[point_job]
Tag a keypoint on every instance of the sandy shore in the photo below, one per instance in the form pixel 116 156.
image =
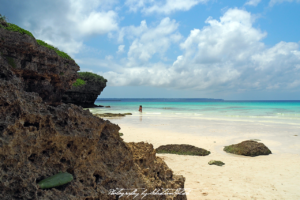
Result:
pixel 276 176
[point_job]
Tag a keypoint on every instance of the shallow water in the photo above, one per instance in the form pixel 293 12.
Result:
pixel 275 111
pixel 276 124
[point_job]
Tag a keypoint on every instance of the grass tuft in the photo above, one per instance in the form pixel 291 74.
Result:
pixel 3 18
pixel 60 53
pixel 79 82
pixel 15 28
pixel 91 77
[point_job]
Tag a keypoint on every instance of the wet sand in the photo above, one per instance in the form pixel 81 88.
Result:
pixel 275 176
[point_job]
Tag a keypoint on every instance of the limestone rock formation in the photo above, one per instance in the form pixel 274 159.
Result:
pixel 182 149
pixel 40 136
pixel 86 95
pixel 248 148
pixel 42 70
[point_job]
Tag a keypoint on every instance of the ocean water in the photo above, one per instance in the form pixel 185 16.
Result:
pixel 264 111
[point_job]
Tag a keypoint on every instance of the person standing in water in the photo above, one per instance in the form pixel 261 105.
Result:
pixel 140 109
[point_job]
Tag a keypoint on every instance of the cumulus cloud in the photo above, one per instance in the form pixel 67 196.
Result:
pixel 227 54
pixel 252 2
pixel 162 6
pixel 65 24
pixel 147 41
pixel 273 2
pixel 121 49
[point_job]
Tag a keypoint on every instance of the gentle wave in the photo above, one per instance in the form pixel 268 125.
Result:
pixel 154 113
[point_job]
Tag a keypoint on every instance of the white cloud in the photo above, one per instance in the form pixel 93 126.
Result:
pixel 162 6
pixel 273 2
pixel 65 24
pixel 147 41
pixel 97 23
pixel 109 57
pixel 228 54
pixel 121 49
pixel 252 2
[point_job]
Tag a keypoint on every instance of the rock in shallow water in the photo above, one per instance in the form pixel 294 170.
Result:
pixel 248 148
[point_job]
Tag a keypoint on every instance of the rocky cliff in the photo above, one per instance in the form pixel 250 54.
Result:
pixel 40 68
pixel 40 136
pixel 85 94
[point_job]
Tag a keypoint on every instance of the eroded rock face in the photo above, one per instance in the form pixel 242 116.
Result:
pixel 248 148
pixel 41 69
pixel 38 140
pixel 84 95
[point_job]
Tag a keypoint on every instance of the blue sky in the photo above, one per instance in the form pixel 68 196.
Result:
pixel 234 50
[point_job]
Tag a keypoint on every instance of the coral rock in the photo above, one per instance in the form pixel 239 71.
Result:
pixel 38 140
pixel 248 148
pixel 182 149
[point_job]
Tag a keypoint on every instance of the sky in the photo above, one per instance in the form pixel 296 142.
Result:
pixel 232 50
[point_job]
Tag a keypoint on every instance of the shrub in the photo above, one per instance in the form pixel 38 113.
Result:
pixel 15 28
pixel 60 53
pixel 79 82
pixel 3 18
pixel 88 76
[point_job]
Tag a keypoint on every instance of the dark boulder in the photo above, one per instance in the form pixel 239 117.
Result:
pixel 248 148
pixel 182 149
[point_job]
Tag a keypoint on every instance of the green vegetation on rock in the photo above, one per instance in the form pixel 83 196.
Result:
pixel 11 61
pixel 12 27
pixel 88 76
pixel 121 134
pixel 15 28
pixel 79 82
pixel 60 53
pixel 2 18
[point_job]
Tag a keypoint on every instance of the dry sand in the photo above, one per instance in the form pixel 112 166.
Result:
pixel 276 176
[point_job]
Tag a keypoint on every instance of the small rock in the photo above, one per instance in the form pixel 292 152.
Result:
pixel 216 162
pixel 107 106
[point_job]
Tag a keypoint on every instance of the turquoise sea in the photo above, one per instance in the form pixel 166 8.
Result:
pixel 272 111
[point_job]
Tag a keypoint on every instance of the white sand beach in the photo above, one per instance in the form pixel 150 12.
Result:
pixel 275 176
